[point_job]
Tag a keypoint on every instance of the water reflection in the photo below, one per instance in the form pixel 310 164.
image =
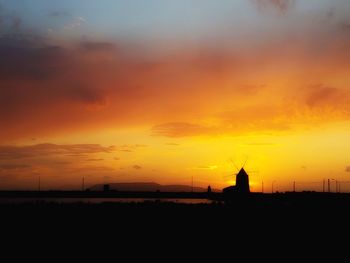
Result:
pixel 102 200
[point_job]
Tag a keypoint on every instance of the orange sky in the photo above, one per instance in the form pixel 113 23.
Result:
pixel 274 94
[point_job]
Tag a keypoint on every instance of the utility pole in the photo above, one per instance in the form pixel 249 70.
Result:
pixel 324 184
pixel 83 184
pixel 294 186
pixel 329 186
pixel 39 185
pixel 262 186
pixel 336 186
pixel 192 185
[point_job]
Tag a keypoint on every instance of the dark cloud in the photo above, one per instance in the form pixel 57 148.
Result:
pixel 51 74
pixel 43 150
pixel 137 167
pixel 14 166
pixel 47 62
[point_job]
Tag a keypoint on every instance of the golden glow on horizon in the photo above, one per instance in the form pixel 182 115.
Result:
pixel 303 156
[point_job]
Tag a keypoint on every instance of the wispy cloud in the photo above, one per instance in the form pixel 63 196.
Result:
pixel 47 149
pixel 321 95
pixel 206 167
pixel 181 129
pixel 130 147
pixel 75 22
pixel 137 167
pixel 14 166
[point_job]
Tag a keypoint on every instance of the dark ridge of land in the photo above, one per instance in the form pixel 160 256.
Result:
pixel 252 201
pixel 107 194
pixel 308 207
pixel 241 220
pixel 286 197
pixel 148 187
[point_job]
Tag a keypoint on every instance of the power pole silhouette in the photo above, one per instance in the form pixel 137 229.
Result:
pixel 336 185
pixel 329 186
pixel 192 185
pixel 39 184
pixel 83 184
pixel 262 186
pixel 294 186
pixel 324 184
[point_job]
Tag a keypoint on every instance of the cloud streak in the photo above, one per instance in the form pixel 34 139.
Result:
pixel 137 167
pixel 14 166
pixel 48 149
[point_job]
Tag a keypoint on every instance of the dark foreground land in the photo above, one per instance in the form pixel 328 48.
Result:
pixel 247 209
pixel 290 222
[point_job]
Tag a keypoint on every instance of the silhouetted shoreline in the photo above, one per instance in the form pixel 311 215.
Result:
pixel 282 199
pixel 105 194
pixel 245 215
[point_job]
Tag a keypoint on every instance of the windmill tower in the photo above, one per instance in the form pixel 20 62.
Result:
pixel 242 182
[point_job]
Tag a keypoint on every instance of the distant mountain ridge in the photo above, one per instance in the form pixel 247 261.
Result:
pixel 148 187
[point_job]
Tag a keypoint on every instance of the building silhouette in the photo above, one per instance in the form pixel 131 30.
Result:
pixel 242 184
pixel 106 188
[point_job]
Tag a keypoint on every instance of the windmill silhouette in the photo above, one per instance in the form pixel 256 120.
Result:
pixel 242 182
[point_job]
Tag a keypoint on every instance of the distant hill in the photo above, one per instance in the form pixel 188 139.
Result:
pixel 148 187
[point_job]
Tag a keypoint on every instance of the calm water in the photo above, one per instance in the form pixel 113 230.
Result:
pixel 102 200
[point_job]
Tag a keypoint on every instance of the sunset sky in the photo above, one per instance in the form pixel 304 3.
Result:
pixel 164 90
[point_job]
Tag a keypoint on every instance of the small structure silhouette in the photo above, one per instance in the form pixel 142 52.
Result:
pixel 242 184
pixel 106 188
pixel 209 189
